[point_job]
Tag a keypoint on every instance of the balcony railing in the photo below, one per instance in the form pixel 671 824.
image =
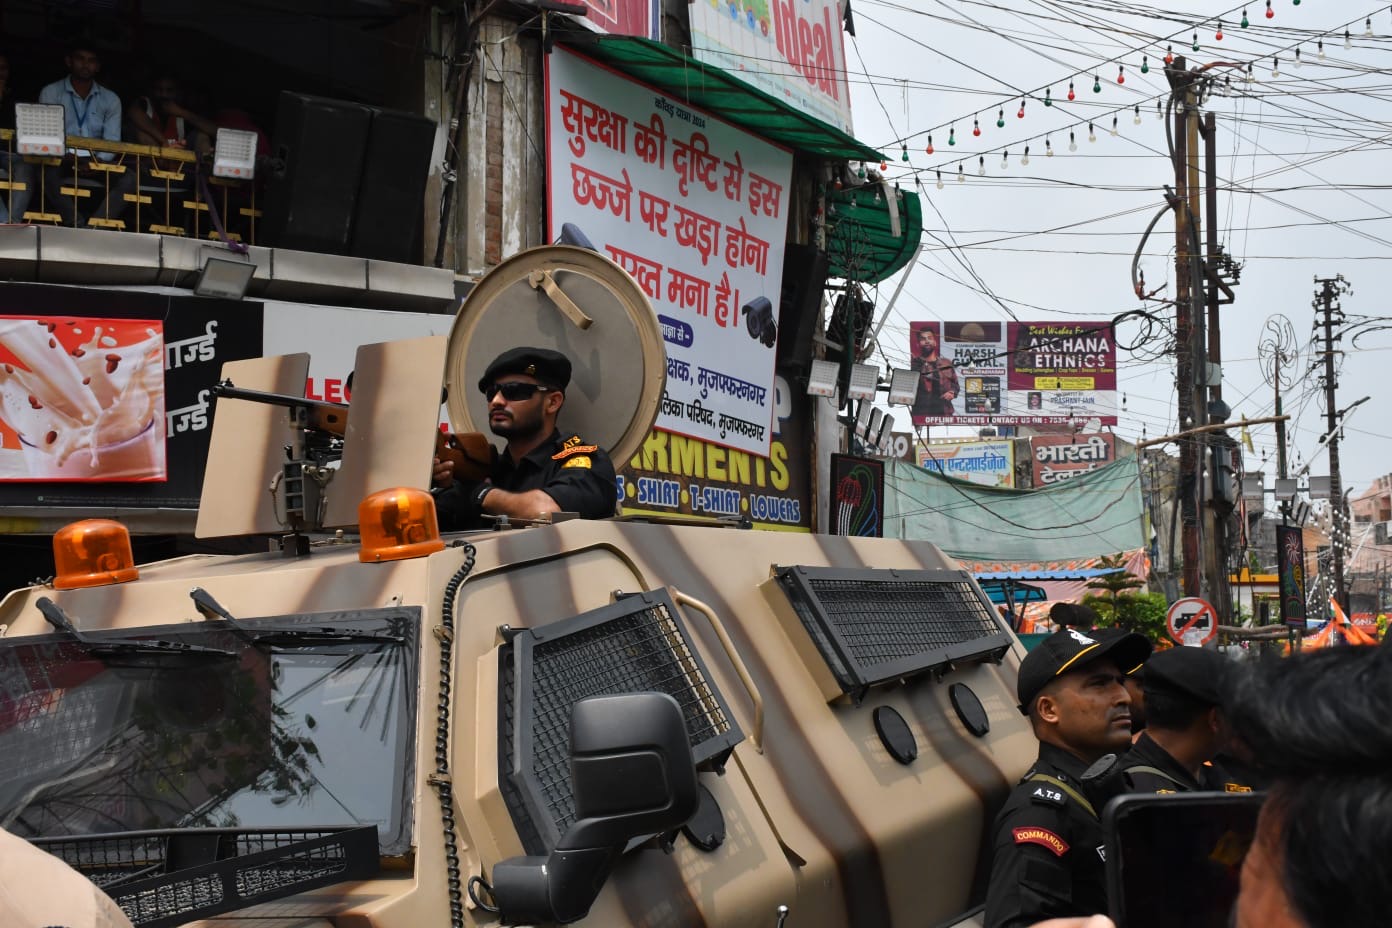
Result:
pixel 140 188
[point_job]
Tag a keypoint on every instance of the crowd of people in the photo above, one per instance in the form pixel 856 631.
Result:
pixel 1309 729
pixel 163 117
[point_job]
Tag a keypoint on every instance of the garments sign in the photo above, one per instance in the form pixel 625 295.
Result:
pixel 697 212
pixel 789 49
pixel 989 463
pixel 1017 373
pixel 1062 457
pixel 1191 621
pixel 673 475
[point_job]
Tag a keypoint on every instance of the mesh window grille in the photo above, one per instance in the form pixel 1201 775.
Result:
pixel 872 626
pixel 635 645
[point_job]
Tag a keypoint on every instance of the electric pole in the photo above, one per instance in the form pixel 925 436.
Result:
pixel 1327 309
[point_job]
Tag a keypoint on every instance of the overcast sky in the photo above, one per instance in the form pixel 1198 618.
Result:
pixel 1306 153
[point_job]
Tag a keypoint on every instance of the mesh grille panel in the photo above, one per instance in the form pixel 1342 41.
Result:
pixel 636 645
pixel 872 626
pixel 890 621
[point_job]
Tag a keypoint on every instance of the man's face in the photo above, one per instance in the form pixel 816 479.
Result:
pixel 520 418
pixel 1262 901
pixel 165 89
pixel 927 343
pixel 1089 709
pixel 83 65
pixel 1137 694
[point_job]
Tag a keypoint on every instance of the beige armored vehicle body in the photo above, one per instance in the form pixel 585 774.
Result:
pixel 612 722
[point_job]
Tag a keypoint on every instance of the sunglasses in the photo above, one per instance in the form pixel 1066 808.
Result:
pixel 514 390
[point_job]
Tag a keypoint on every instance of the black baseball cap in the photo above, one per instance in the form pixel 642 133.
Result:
pixel 1198 673
pixel 1071 649
pixel 549 367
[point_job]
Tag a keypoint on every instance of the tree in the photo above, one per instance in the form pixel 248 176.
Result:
pixel 1117 583
pixel 1119 604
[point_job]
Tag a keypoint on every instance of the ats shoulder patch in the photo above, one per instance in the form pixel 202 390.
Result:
pixel 582 460
pixel 1047 795
pixel 1043 837
pixel 573 446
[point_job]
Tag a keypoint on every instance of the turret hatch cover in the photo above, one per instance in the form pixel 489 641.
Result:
pixel 583 305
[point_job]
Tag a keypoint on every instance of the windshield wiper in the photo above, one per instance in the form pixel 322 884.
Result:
pixel 305 637
pixel 125 647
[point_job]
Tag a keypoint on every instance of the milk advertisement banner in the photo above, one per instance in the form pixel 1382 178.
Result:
pixel 989 463
pixel 1062 457
pixel 789 49
pixel 1017 373
pixel 81 399
pixel 696 211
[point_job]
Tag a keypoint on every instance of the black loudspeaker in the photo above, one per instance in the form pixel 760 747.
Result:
pixel 312 191
pixel 391 197
pixel 799 303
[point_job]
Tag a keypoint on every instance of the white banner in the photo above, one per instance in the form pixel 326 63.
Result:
pixel 696 211
pixel 789 49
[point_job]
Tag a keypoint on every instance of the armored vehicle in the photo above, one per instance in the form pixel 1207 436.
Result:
pixel 610 722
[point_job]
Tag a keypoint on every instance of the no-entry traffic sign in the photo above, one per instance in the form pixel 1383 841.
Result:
pixel 1191 621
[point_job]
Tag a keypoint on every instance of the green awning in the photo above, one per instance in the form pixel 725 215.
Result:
pixel 720 92
pixel 861 241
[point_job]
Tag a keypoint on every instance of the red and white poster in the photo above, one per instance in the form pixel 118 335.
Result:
pixel 697 211
pixel 1062 457
pixel 1016 373
pixel 622 17
pixel 81 399
pixel 789 49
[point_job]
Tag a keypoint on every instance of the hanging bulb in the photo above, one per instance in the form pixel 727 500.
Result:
pixel 1368 28
pixel 1275 65
pixel 1297 56
pixel 928 149
pixel 877 193
pixel 1114 125
pixel 860 172
pixel 1071 96
pixel 1096 84
pixel 1048 147
pixel 976 126
pixel 1024 159
pixel 1121 74
pixel 1227 85
pixel 1123 402
pixel 961 178
pixel 1270 13
pixel 1145 65
pixel 939 184
pixel 1251 74
pixel 981 164
pixel 1021 113
pixel 1092 133
pixel 1245 24
pixel 1005 159
pixel 952 136
pixel 1195 40
pixel 1000 119
pixel 1218 36
pixel 1137 119
pixel 884 166
pixel 1319 50
pixel 1169 54
pixel 905 155
pixel 1348 40
pixel 1072 142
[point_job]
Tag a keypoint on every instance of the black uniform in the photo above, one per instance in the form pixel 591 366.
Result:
pixel 578 476
pixel 1048 847
pixel 1149 768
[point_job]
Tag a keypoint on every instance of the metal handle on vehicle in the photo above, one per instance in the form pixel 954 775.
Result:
pixel 757 735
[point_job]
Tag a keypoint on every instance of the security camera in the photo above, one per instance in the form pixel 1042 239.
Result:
pixel 758 319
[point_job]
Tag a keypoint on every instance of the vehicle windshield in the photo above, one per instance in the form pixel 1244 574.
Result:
pixel 298 734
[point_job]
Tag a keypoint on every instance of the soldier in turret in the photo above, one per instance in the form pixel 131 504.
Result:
pixel 541 470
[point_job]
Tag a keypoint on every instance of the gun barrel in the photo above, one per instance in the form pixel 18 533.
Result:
pixel 319 414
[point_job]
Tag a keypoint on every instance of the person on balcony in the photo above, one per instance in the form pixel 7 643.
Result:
pixel 92 112
pixel 164 120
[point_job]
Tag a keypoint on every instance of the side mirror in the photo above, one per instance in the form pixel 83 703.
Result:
pixel 632 776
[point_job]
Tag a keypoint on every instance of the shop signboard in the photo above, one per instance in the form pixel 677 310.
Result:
pixel 989 463
pixel 1062 457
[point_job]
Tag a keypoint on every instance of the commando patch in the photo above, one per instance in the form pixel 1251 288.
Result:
pixel 573 445
pixel 1236 788
pixel 1042 837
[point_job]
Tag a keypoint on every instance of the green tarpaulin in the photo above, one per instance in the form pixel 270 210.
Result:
pixel 1091 515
